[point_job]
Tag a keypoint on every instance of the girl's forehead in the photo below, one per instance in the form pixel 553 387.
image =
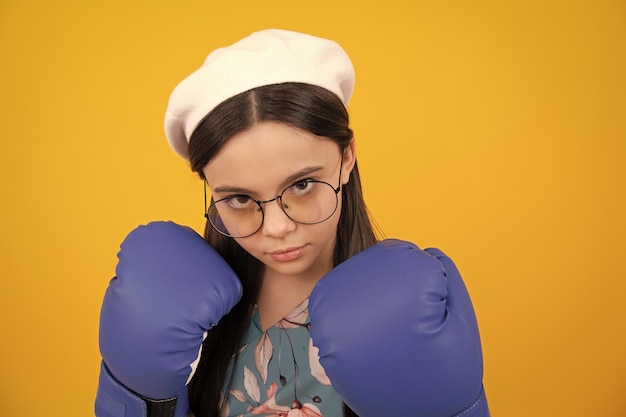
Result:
pixel 268 152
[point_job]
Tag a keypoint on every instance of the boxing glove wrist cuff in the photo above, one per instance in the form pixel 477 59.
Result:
pixel 115 400
pixel 161 408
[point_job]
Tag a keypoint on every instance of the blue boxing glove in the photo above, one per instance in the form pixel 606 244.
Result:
pixel 397 334
pixel 171 288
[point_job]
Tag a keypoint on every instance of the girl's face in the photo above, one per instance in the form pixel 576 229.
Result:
pixel 261 162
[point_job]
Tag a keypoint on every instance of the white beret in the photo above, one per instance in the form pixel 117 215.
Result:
pixel 266 57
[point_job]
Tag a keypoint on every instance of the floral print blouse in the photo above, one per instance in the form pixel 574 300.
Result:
pixel 278 374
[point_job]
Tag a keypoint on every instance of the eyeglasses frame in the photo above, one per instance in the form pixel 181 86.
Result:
pixel 277 198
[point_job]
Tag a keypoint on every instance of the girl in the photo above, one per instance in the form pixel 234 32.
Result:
pixel 313 310
pixel 277 139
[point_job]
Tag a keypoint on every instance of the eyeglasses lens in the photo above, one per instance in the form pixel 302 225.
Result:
pixel 307 202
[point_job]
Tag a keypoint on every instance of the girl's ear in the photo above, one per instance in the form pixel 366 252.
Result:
pixel 349 159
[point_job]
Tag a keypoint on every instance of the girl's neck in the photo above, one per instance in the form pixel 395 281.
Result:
pixel 280 294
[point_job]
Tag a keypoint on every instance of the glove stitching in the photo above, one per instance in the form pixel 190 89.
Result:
pixel 480 398
pixel 125 391
pixel 476 343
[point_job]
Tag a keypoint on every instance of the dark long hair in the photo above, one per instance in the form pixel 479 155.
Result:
pixel 304 106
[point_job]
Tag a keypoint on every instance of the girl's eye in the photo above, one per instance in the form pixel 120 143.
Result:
pixel 301 187
pixel 239 202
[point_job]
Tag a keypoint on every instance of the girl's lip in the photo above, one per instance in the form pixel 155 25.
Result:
pixel 288 254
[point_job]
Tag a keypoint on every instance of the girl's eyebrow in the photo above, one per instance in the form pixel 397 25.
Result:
pixel 288 181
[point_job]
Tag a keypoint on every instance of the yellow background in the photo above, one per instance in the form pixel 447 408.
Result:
pixel 492 129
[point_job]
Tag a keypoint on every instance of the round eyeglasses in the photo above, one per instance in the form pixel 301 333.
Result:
pixel 306 201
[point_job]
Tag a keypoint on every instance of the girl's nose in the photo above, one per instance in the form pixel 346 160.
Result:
pixel 276 223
